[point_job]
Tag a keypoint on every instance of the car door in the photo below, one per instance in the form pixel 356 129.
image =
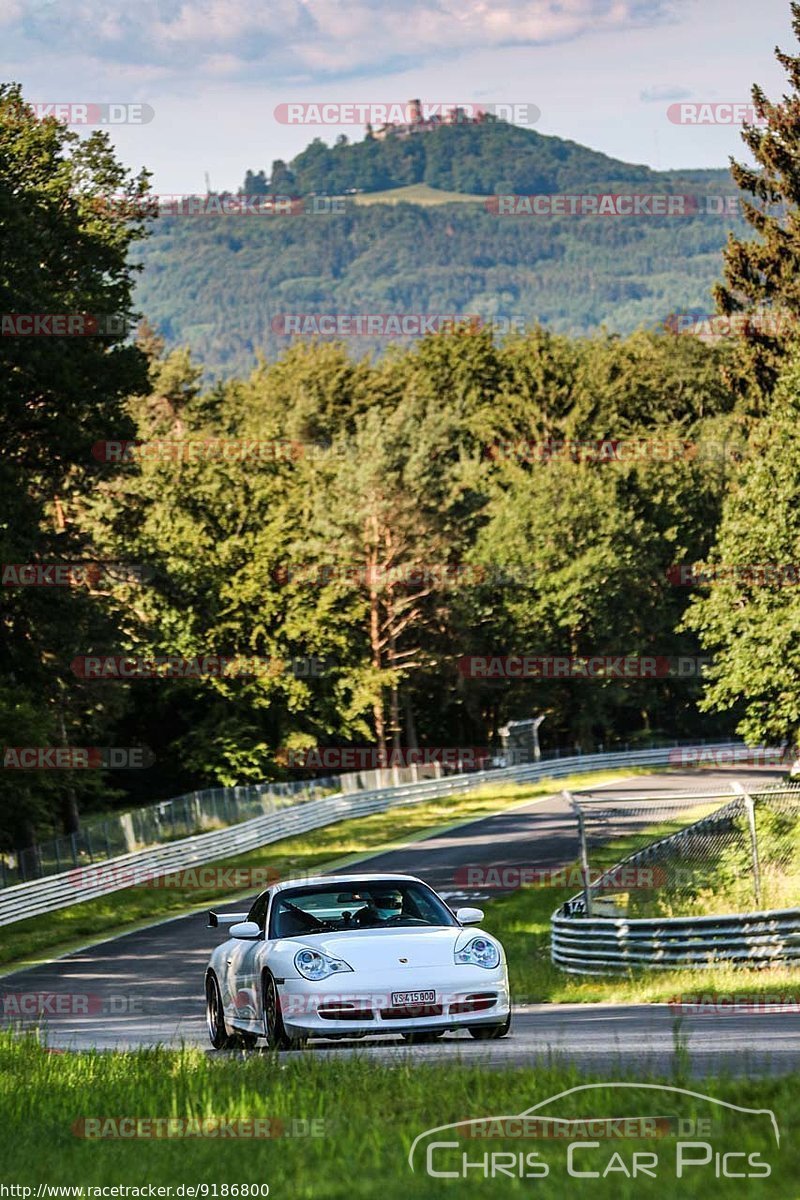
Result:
pixel 243 970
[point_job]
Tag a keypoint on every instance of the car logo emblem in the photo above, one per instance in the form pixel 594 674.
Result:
pixel 402 960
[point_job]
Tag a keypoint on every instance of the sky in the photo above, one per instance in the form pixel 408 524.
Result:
pixel 213 72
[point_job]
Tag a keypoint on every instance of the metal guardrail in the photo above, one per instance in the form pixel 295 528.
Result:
pixel 598 945
pixel 603 946
pixel 39 896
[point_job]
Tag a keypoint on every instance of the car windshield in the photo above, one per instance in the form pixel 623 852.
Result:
pixel 338 907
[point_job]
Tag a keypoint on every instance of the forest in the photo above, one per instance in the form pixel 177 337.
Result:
pixel 229 572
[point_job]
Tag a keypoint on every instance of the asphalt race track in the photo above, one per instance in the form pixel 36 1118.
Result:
pixel 146 987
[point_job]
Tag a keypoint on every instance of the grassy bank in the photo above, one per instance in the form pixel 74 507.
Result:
pixel 363 1117
pixel 417 193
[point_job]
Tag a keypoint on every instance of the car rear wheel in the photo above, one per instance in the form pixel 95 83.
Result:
pixel 417 1038
pixel 215 1018
pixel 275 1033
pixel 488 1033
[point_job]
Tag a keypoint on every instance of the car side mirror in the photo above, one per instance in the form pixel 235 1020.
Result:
pixel 469 916
pixel 248 931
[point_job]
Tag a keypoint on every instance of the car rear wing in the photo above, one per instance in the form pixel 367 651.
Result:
pixel 215 919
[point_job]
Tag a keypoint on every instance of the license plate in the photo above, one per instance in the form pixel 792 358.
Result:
pixel 401 998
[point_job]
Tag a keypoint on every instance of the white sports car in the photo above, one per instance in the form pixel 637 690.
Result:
pixel 347 956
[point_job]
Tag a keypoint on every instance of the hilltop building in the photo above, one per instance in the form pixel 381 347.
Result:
pixel 420 123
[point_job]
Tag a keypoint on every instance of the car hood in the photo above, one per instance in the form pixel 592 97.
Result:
pixel 366 949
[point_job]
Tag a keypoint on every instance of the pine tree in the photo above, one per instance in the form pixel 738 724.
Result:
pixel 762 277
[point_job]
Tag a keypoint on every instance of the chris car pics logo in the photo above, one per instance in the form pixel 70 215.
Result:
pixel 643 1138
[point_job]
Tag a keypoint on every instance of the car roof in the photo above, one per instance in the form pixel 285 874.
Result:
pixel 344 880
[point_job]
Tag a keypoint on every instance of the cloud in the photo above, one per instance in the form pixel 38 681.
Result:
pixel 295 40
pixel 664 92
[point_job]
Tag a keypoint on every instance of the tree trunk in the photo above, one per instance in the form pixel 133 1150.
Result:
pixel 375 645
pixel 411 728
pixel 70 817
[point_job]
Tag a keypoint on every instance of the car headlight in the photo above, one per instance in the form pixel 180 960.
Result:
pixel 313 964
pixel 479 952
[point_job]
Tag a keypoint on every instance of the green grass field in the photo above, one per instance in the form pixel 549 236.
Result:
pixel 417 193
pixel 343 1127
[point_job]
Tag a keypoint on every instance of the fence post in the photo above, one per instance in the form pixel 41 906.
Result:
pixel 584 857
pixel 751 821
pixel 749 809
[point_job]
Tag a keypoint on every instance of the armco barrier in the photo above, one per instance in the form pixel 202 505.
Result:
pixel 604 946
pixel 584 945
pixel 86 883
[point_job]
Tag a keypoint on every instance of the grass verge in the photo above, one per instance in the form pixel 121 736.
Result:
pixel 364 1116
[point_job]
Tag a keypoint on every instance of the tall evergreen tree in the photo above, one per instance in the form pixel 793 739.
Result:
pixel 762 276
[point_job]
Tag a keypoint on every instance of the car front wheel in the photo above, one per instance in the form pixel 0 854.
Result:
pixel 275 1033
pixel 488 1033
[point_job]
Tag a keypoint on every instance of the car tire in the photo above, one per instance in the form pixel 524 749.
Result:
pixel 424 1035
pixel 244 1041
pixel 275 1034
pixel 215 1016
pixel 489 1033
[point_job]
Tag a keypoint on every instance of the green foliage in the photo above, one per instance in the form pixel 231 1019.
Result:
pixel 484 158
pixel 337 552
pixel 751 626
pixel 761 275
pixel 218 283
pixel 65 251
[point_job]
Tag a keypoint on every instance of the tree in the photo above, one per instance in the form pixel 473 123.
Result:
pixel 750 617
pixel 281 180
pixel 385 546
pixel 577 557
pixel 69 215
pixel 762 277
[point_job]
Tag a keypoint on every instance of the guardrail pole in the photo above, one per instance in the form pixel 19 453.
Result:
pixel 749 808
pixel 583 853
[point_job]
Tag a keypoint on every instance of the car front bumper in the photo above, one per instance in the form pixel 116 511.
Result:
pixel 462 996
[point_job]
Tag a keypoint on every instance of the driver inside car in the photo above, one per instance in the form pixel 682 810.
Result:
pixel 380 907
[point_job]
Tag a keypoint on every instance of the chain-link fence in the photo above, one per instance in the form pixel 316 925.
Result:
pixel 690 854
pixel 183 816
pixel 196 812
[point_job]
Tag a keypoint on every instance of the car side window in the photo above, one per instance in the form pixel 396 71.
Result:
pixel 258 912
